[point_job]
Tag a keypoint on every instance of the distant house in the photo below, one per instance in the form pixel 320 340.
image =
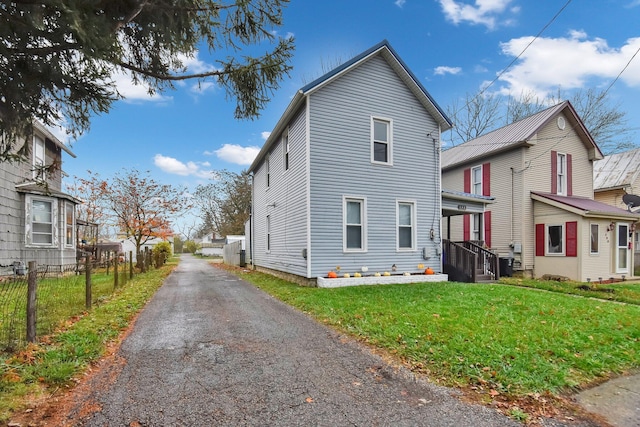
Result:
pixel 349 178
pixel 613 177
pixel 37 219
pixel 545 219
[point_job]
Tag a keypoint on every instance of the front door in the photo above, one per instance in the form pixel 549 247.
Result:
pixel 622 246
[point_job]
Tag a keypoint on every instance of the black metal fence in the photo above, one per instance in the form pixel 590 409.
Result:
pixel 38 302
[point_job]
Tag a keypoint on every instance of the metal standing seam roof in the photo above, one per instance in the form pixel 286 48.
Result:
pixel 386 51
pixel 617 170
pixel 511 136
pixel 586 205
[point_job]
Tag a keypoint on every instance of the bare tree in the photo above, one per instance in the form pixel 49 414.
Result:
pixel 478 115
pixel 606 122
pixel 225 205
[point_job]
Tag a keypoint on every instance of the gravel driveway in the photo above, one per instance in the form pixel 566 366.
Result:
pixel 211 350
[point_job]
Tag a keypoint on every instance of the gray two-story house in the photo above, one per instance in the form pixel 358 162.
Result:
pixel 37 220
pixel 349 179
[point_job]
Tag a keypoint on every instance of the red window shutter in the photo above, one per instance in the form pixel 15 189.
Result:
pixel 466 227
pixel 554 172
pixel 467 180
pixel 486 179
pixel 569 177
pixel 539 239
pixel 487 228
pixel 572 238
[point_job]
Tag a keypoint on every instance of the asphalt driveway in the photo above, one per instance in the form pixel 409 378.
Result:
pixel 211 350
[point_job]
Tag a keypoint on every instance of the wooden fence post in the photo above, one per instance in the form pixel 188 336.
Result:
pixel 87 282
pixel 115 272
pixel 32 288
pixel 130 264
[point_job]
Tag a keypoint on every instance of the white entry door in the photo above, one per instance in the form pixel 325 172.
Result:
pixel 622 246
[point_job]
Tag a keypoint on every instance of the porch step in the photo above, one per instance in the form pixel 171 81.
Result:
pixel 484 278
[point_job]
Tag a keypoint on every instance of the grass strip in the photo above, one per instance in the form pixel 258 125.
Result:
pixel 58 358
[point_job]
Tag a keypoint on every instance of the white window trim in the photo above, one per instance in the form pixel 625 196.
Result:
pixel 267 166
pixel 389 142
pixel 73 225
pixel 29 223
pixel 363 201
pixel 267 243
pixel 546 240
pixel 591 252
pixel 286 151
pixel 473 184
pixel 414 234
pixel 38 163
pixel 561 179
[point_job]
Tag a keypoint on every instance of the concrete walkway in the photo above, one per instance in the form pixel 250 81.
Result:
pixel 618 401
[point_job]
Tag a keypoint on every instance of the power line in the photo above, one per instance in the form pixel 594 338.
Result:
pixel 501 73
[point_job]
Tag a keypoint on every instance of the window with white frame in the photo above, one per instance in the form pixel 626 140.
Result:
pixel 475 232
pixel 268 227
pixel 381 137
pixel 267 167
pixel 41 220
pixel 595 239
pixel 476 180
pixel 38 157
pixel 406 225
pixel 69 239
pixel 561 171
pixel 555 241
pixel 285 148
pixel 354 224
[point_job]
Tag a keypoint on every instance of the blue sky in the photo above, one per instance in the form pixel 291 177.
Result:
pixel 453 46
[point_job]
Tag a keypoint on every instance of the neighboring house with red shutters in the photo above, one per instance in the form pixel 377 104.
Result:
pixel 615 176
pixel 539 170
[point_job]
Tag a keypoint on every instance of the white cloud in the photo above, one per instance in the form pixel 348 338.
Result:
pixel 568 63
pixel 442 70
pixel 265 135
pixel 237 154
pixel 140 92
pixel 482 12
pixel 400 3
pixel 176 167
pixel 135 92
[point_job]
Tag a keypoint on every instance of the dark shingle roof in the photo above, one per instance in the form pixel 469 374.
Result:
pixel 589 207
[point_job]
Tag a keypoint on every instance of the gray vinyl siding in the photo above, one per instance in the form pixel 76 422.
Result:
pixel 340 165
pixel 13 215
pixel 287 190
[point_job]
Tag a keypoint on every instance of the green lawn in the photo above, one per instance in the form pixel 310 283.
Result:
pixel 511 339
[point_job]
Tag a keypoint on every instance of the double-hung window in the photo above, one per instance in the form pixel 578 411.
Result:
pixel 381 141
pixel 476 180
pixel 267 167
pixel 354 225
pixel 406 218
pixel 69 224
pixel 41 217
pixel 285 148
pixel 268 227
pixel 38 158
pixel 561 174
